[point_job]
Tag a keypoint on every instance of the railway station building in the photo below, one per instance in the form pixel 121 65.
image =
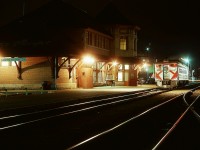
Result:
pixel 59 46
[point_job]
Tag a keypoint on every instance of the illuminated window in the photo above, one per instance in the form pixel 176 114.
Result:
pixel 13 63
pixel 120 76
pixel 120 67
pixel 94 77
pixel 123 43
pixel 126 76
pixel 126 67
pixel 8 61
pixel 100 78
pixel 4 63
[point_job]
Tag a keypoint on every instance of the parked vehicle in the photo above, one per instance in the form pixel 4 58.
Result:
pixel 171 74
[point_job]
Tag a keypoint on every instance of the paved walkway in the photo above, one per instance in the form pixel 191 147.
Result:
pixel 22 98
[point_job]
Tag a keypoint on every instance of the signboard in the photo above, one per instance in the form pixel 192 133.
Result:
pixel 183 72
pixel 14 59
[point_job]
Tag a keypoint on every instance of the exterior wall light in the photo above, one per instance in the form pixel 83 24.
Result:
pixel 88 60
pixel 114 63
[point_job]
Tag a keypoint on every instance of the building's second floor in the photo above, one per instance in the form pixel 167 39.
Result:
pixel 43 33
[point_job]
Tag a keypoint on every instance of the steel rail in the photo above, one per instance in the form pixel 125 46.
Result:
pixel 191 108
pixel 75 111
pixel 174 125
pixel 122 123
pixel 77 104
pixel 179 119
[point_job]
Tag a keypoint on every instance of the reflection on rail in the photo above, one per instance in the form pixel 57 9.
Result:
pixel 27 118
pixel 189 107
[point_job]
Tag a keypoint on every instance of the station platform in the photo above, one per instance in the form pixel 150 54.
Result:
pixel 24 98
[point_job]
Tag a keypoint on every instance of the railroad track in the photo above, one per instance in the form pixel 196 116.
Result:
pixel 184 132
pixel 97 124
pixel 16 117
pixel 160 133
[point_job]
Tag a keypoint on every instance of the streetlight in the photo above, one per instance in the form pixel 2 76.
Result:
pixel 186 60
pixel 148 49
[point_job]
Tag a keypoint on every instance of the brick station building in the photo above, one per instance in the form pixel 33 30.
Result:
pixel 49 45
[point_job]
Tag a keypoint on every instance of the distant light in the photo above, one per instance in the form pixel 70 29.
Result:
pixel 186 60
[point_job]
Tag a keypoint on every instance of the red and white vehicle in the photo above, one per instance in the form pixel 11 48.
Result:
pixel 171 74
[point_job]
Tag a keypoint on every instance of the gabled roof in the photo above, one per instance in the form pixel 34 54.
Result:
pixel 110 14
pixel 45 31
pixel 54 14
pixel 43 27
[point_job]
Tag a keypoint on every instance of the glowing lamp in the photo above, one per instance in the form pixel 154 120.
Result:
pixel 114 63
pixel 88 60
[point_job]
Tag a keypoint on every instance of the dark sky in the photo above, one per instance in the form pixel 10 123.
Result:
pixel 171 26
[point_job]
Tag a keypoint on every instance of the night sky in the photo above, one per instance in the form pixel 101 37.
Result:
pixel 171 26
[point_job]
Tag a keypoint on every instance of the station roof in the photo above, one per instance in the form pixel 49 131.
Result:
pixel 111 15
pixel 43 32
